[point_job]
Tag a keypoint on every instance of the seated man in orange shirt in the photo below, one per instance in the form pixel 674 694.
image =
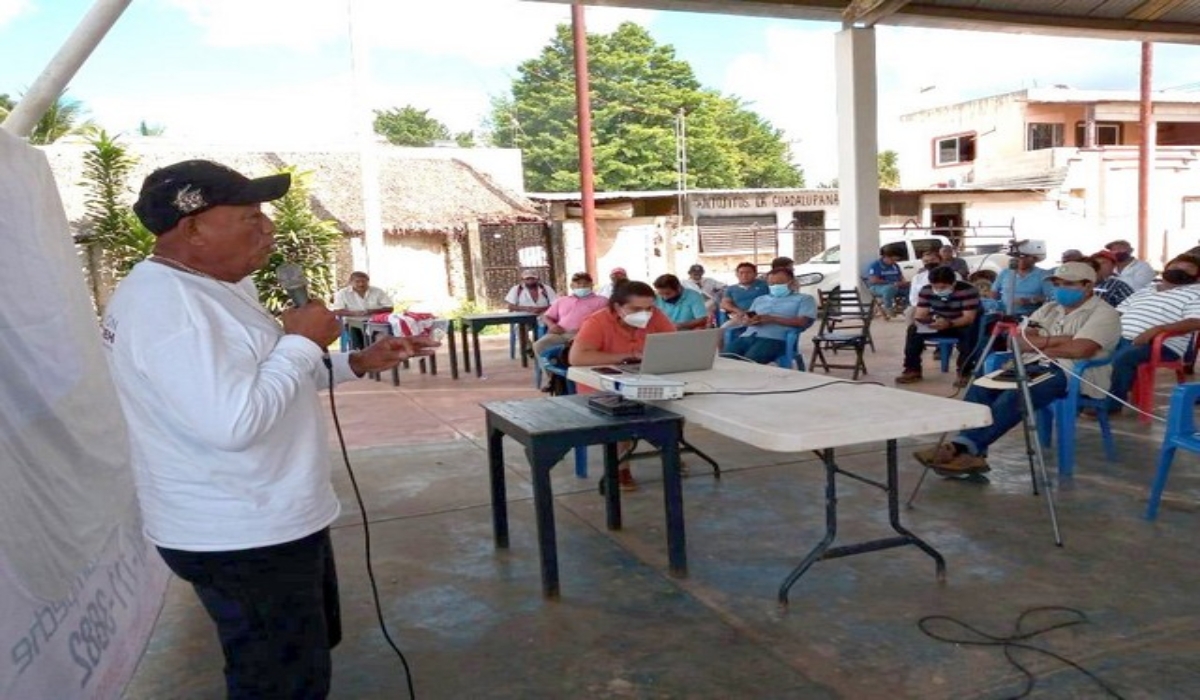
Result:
pixel 618 334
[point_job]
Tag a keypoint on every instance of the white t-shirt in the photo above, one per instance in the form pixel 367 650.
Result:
pixel 347 298
pixel 227 433
pixel 519 296
pixel 1138 274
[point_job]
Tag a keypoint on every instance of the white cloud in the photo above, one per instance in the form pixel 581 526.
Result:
pixel 11 9
pixel 791 79
pixel 487 32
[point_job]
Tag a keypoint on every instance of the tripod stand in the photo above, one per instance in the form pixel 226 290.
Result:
pixel 1038 474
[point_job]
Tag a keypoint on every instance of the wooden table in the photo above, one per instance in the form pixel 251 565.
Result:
pixel 475 323
pixel 548 429
pixel 782 410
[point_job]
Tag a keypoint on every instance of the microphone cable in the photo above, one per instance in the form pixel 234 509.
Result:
pixel 362 509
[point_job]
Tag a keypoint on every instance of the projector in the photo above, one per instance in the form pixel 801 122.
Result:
pixel 642 387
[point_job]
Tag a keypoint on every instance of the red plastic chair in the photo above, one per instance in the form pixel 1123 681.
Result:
pixel 1143 385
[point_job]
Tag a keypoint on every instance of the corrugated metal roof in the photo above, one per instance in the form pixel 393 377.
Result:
pixel 1175 21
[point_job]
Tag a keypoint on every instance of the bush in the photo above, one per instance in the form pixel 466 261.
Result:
pixel 301 237
pixel 112 226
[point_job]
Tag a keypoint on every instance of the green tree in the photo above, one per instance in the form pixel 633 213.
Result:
pixel 6 104
pixel 639 89
pixel 409 126
pixel 465 139
pixel 303 238
pixel 889 170
pixel 112 226
pixel 64 116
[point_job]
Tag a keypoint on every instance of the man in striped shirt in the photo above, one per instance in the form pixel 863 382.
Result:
pixel 946 308
pixel 1172 306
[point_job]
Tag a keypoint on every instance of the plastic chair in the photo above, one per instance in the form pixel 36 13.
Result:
pixel 945 347
pixel 1064 413
pixel 549 361
pixel 791 357
pixel 1147 372
pixel 1181 433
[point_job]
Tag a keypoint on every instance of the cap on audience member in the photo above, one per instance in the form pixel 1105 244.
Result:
pixel 618 270
pixel 1106 254
pixel 1074 272
pixel 190 187
pixel 1072 255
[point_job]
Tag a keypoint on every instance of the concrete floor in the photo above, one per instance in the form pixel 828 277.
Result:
pixel 473 624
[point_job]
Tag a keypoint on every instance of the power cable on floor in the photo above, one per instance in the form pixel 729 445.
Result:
pixel 1019 639
pixel 362 509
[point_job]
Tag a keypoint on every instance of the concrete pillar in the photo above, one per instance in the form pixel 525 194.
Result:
pixel 474 263
pixel 858 148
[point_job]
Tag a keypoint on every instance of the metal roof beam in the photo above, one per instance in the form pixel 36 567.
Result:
pixel 867 13
pixel 1154 9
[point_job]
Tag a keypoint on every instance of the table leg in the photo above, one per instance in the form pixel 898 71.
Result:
pixel 453 351
pixel 612 489
pixel 543 504
pixel 673 504
pixel 433 364
pixel 525 344
pixel 466 346
pixel 499 495
pixel 475 350
pixel 893 497
pixel 818 552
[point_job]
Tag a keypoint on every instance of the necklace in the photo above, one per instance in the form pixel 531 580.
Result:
pixel 232 288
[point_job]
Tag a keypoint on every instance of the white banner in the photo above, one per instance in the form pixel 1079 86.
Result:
pixel 79 584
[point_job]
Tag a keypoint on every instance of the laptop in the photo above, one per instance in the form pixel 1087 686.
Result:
pixel 666 353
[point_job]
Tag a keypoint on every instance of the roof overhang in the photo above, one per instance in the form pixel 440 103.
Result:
pixel 1170 21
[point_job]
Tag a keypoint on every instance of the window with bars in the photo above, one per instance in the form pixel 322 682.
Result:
pixel 1041 135
pixel 951 150
pixel 727 235
pixel 1107 134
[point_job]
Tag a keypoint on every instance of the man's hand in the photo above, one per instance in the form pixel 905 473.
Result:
pixel 940 323
pixel 313 321
pixel 388 352
pixel 555 329
pixel 1147 336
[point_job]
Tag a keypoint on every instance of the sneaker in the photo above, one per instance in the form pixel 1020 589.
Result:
pixel 625 480
pixel 909 376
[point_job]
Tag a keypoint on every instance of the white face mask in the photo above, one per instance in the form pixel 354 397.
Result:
pixel 638 319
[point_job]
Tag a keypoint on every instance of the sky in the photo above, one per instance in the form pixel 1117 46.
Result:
pixel 278 73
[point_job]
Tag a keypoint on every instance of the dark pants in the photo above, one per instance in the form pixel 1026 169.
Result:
pixel 1124 370
pixel 277 615
pixel 914 346
pixel 1006 406
pixel 761 350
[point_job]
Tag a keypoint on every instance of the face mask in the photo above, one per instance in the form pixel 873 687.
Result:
pixel 1069 296
pixel 674 300
pixel 532 284
pixel 779 290
pixel 1123 256
pixel 1178 277
pixel 943 293
pixel 930 266
pixel 638 319
pixel 582 292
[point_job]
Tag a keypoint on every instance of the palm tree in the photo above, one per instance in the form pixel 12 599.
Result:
pixel 147 129
pixel 62 118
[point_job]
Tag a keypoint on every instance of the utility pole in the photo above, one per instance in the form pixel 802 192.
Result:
pixel 1146 150
pixel 583 111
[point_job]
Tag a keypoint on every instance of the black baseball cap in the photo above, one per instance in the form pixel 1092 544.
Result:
pixel 192 186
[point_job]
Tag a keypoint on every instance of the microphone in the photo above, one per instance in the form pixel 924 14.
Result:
pixel 294 282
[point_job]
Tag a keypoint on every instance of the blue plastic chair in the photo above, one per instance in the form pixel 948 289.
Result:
pixel 791 357
pixel 945 348
pixel 1065 412
pixel 548 362
pixel 1181 433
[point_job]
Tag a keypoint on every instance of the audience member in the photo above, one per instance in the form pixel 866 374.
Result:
pixel 360 300
pixel 1072 255
pixel 1110 288
pixel 769 319
pixel 950 259
pixel 884 279
pixel 615 277
pixel 617 334
pixel 1138 274
pixel 567 313
pixel 946 308
pixel 738 297
pixel 685 307
pixel 709 287
pixel 530 296
pixel 1030 290
pixel 1074 326
pixel 1171 306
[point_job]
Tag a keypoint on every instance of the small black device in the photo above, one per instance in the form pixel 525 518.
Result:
pixel 1032 370
pixel 606 370
pixel 612 404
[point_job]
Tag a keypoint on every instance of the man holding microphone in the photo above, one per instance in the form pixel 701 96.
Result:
pixel 226 427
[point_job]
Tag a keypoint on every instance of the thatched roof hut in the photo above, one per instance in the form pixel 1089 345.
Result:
pixel 419 195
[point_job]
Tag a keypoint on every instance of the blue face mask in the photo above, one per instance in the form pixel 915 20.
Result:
pixel 582 292
pixel 1069 296
pixel 779 290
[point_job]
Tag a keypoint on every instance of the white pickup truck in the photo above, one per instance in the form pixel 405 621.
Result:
pixel 908 250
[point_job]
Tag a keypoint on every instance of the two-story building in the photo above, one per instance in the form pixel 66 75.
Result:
pixel 1075 155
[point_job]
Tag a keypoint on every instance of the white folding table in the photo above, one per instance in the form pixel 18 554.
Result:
pixel 782 410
